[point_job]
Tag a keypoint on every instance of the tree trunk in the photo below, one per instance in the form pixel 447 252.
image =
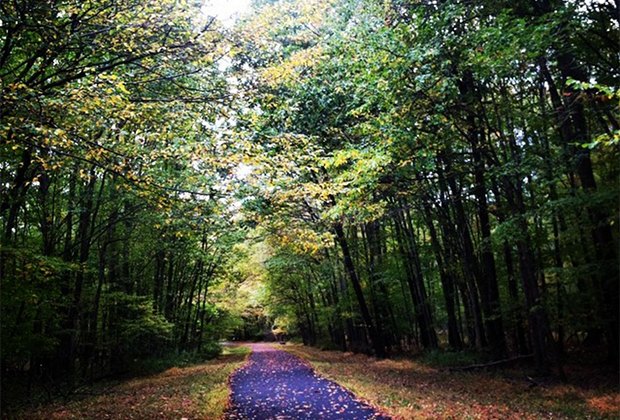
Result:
pixel 447 283
pixel 487 276
pixel 408 249
pixel 377 342
pixel 470 264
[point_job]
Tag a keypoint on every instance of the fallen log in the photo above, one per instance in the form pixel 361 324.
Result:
pixel 497 363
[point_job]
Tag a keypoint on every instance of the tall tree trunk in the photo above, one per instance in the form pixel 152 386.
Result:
pixel 408 250
pixel 537 315
pixel 189 304
pixel 374 261
pixel 69 349
pixel 487 276
pixel 447 282
pixel 463 235
pixel 377 342
pixel 12 202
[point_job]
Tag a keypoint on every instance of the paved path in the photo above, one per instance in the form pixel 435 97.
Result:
pixel 275 384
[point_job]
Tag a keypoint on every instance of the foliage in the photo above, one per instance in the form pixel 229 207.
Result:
pixel 142 331
pixel 438 172
pixel 114 219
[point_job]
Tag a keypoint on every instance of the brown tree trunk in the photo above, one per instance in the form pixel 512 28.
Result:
pixel 377 342
pixel 487 276
pixel 447 283
pixel 470 263
pixel 409 253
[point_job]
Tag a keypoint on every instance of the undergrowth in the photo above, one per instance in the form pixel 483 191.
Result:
pixel 183 389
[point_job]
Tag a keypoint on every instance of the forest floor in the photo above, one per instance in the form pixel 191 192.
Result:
pixel 194 392
pixel 409 389
pixel 401 387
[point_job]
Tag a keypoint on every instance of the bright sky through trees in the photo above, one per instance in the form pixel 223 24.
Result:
pixel 226 10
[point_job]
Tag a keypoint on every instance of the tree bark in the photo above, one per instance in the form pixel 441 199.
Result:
pixel 377 342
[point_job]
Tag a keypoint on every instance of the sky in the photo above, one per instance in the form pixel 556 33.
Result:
pixel 226 10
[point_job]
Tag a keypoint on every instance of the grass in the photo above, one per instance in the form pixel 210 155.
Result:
pixel 410 389
pixel 196 391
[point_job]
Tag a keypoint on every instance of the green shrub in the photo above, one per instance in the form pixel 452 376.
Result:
pixel 210 350
pixel 142 332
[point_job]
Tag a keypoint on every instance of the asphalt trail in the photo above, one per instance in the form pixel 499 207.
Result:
pixel 275 384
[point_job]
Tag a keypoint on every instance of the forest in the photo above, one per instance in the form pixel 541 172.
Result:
pixel 382 177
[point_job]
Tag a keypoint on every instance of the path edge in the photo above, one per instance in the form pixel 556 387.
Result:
pixel 229 379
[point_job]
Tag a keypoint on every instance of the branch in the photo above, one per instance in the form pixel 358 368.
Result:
pixel 495 364
pixel 142 185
